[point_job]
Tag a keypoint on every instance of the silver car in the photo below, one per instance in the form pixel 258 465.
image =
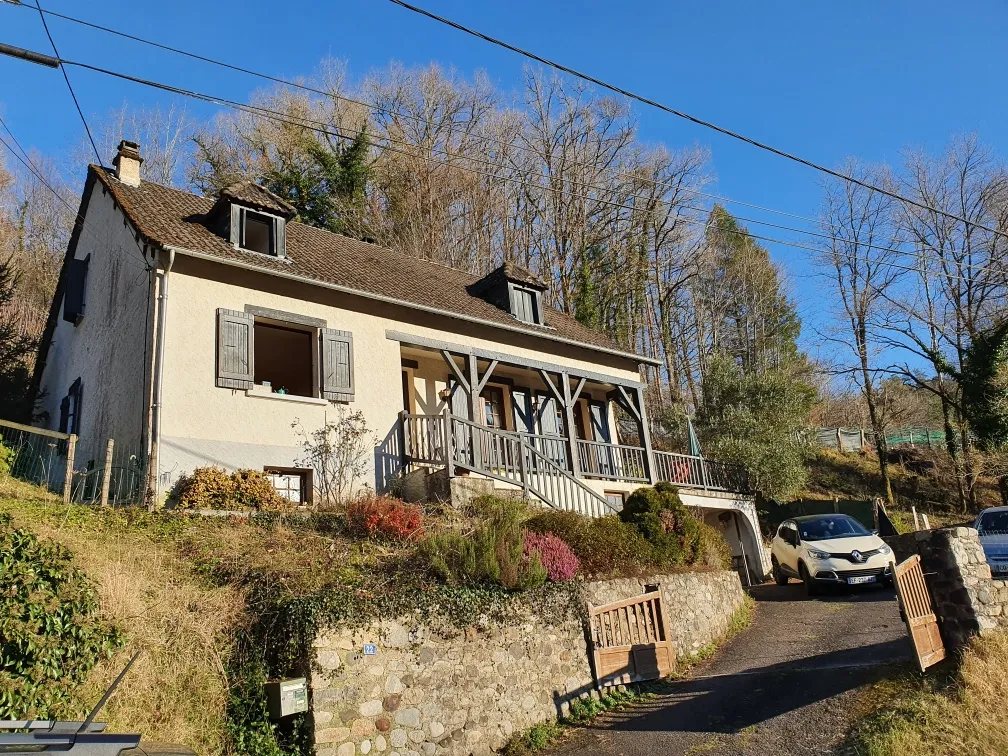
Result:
pixel 992 525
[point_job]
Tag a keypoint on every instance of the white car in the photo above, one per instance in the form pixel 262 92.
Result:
pixel 829 549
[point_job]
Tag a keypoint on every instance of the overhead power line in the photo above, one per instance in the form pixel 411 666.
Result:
pixel 69 85
pixel 699 121
pixel 374 106
pixel 331 130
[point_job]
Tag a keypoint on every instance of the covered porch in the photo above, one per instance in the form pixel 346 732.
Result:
pixel 590 426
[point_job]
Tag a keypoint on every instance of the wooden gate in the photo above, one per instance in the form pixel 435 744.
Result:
pixel 630 640
pixel 922 625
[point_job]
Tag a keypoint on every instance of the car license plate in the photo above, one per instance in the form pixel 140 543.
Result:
pixel 999 569
pixel 860 579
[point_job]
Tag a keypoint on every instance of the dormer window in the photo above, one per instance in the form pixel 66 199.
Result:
pixel 525 304
pixel 258 232
pixel 252 218
pixel 513 289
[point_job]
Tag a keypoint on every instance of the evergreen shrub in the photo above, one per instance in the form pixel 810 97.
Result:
pixel 493 552
pixel 51 631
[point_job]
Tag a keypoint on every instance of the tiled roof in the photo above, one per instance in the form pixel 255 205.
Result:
pixel 171 217
pixel 258 197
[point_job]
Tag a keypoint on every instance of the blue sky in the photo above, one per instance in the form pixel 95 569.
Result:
pixel 824 80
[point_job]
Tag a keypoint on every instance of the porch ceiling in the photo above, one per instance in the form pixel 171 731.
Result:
pixel 510 360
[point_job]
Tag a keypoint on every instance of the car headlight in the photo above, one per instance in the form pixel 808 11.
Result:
pixel 885 549
pixel 816 554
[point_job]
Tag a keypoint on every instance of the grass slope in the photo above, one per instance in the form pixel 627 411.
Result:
pixel 961 712
pixel 176 586
pixel 925 480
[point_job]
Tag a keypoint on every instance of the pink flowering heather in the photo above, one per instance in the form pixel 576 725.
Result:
pixel 555 555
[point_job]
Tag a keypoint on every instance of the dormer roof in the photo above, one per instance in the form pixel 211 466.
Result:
pixel 256 197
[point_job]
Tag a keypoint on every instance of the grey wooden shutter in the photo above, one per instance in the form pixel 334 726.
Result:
pixel 524 417
pixel 336 364
pixel 76 285
pixel 237 223
pixel 64 417
pixel 235 349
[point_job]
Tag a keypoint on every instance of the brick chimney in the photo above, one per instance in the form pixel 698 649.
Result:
pixel 127 163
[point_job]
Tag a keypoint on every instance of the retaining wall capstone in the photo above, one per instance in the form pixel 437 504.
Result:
pixel 467 692
pixel 967 600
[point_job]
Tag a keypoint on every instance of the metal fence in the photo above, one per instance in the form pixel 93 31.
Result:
pixel 855 439
pixel 47 458
pixel 35 455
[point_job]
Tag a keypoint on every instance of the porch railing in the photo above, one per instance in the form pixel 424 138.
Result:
pixel 697 472
pixel 499 452
pixel 598 459
pixel 511 458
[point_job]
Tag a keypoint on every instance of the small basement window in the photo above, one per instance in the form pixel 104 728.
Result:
pixel 284 359
pixel 295 485
pixel 258 233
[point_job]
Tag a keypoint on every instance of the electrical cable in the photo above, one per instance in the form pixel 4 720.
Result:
pixel 66 78
pixel 680 114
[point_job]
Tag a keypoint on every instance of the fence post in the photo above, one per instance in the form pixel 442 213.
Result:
pixel 68 477
pixel 107 473
pixel 523 467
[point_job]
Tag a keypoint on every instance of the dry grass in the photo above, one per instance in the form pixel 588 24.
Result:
pixel 174 584
pixel 922 717
pixel 177 690
pixel 925 480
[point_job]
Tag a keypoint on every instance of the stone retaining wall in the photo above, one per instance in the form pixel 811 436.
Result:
pixel 966 599
pixel 423 692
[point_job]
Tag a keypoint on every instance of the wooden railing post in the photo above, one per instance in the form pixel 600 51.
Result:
pixel 405 438
pixel 107 472
pixel 68 477
pixel 449 443
pixel 523 467
pixel 645 430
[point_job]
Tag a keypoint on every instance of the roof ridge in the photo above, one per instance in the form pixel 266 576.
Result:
pixel 171 216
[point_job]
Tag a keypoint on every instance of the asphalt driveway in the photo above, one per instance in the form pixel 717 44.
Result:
pixel 784 686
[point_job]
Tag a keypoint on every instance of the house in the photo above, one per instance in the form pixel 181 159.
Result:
pixel 207 331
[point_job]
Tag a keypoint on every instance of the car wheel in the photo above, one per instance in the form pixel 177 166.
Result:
pixel 778 574
pixel 811 589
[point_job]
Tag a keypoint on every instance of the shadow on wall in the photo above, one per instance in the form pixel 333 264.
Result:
pixel 389 459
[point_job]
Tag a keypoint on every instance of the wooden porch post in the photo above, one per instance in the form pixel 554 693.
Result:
pixel 475 413
pixel 568 402
pixel 449 443
pixel 645 434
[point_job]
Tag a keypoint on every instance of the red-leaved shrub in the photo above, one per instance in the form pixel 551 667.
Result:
pixel 556 556
pixel 386 517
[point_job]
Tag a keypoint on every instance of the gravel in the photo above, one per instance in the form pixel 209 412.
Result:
pixel 787 685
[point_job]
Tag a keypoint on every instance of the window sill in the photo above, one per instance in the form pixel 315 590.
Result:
pixel 288 398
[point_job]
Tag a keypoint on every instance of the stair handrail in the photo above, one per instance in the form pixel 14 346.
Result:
pixel 541 460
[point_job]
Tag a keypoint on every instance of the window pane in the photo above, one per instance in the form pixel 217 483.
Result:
pixel 258 233
pixel 284 359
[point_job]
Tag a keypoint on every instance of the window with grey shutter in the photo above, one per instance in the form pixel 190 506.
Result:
pixel 524 304
pixel 76 286
pixel 336 364
pixel 234 349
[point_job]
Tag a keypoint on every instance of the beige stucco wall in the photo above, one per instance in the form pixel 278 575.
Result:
pixel 204 424
pixel 107 350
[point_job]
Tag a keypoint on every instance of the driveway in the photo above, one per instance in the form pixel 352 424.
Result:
pixel 784 686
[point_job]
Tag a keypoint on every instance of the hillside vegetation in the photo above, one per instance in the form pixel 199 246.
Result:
pixel 921 478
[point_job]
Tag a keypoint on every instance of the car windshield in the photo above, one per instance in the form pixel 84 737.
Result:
pixel 831 526
pixel 993 522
